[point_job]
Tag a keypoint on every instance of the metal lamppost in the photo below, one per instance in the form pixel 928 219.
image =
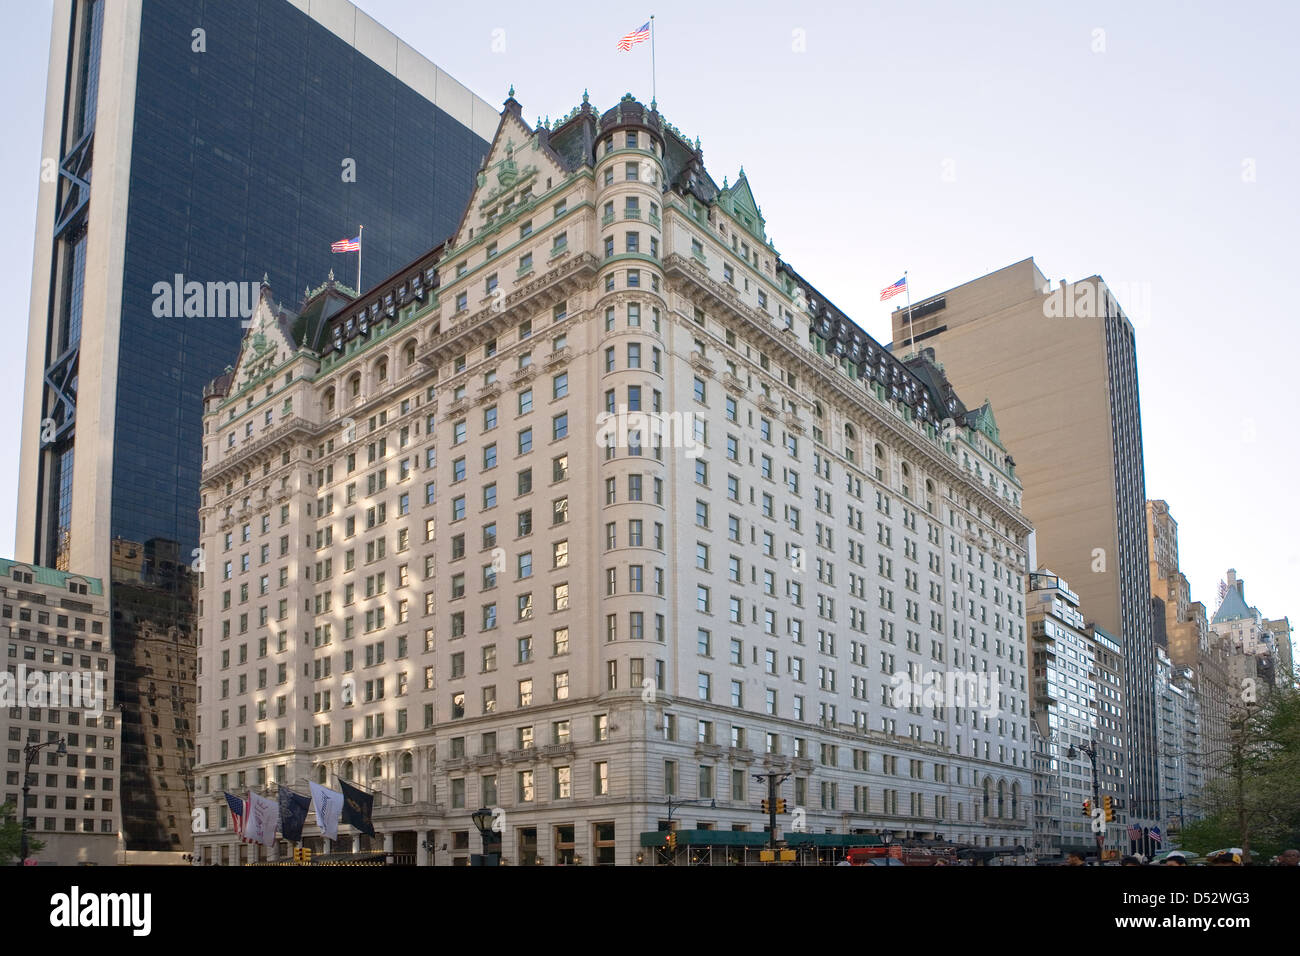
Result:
pixel 30 753
pixel 1091 750
pixel 483 821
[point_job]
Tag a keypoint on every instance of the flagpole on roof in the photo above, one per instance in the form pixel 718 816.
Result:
pixel 652 58
pixel 911 339
pixel 360 230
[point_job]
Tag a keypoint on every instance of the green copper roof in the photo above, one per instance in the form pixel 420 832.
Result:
pixel 1233 608
pixel 50 577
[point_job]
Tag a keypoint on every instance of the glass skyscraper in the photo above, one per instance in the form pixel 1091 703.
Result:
pixel 224 141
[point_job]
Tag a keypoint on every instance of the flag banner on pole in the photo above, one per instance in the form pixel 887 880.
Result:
pixel 1134 832
pixel 293 814
pixel 260 820
pixel 347 245
pixel 1155 835
pixel 636 36
pixel 358 806
pixel 329 805
pixel 889 291
pixel 236 813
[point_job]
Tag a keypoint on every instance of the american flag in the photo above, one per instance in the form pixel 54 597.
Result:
pixel 636 36
pixel 236 812
pixel 890 291
pixel 347 245
pixel 1134 832
pixel 1155 835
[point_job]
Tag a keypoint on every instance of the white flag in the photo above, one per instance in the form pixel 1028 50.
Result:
pixel 262 815
pixel 329 807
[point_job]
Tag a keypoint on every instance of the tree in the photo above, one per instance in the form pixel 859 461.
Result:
pixel 11 836
pixel 1257 800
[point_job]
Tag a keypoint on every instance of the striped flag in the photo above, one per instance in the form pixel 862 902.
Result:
pixel 636 36
pixel 1155 835
pixel 1134 832
pixel 889 291
pixel 347 245
pixel 236 813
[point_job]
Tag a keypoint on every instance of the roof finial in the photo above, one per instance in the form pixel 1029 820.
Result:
pixel 585 99
pixel 511 94
pixel 331 275
pixel 266 279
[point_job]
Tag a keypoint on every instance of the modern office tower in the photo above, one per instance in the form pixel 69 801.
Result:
pixel 56 697
pixel 1060 367
pixel 1179 625
pixel 1068 690
pixel 592 514
pixel 1181 778
pixel 225 140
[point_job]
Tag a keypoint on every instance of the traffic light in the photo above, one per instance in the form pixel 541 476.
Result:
pixel 1087 808
pixel 1110 808
pixel 767 806
pixel 780 805
pixel 672 841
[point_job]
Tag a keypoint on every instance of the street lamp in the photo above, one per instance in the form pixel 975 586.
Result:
pixel 483 821
pixel 1091 750
pixel 30 753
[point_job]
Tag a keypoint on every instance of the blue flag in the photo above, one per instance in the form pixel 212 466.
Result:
pixel 293 814
pixel 358 805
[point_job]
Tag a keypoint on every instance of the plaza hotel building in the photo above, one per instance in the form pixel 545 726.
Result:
pixel 434 567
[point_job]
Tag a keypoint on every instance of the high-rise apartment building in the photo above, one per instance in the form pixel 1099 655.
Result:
pixel 1060 367
pixel 1279 632
pixel 1181 751
pixel 224 139
pixel 590 515
pixel 1073 707
pixel 1180 627
pixel 56 711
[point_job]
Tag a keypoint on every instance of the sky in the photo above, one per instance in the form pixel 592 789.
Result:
pixel 1154 144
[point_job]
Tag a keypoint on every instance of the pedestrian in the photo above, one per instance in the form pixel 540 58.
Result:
pixel 1074 858
pixel 1289 858
pixel 1176 859
pixel 1130 861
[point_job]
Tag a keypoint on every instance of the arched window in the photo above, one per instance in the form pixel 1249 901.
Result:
pixel 347 770
pixel 1015 800
pixel 354 386
pixel 407 763
pixel 986 797
pixel 381 370
pixel 329 399
pixel 376 768
pixel 322 774
pixel 408 354
pixel 850 442
pixel 1002 798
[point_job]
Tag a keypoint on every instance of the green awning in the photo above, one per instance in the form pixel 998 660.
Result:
pixel 752 838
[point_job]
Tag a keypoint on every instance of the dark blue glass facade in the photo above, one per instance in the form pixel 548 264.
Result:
pixel 237 170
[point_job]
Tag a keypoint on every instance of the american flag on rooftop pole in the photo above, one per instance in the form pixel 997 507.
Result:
pixel 639 35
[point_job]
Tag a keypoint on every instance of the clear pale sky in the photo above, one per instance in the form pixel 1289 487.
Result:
pixel 948 139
